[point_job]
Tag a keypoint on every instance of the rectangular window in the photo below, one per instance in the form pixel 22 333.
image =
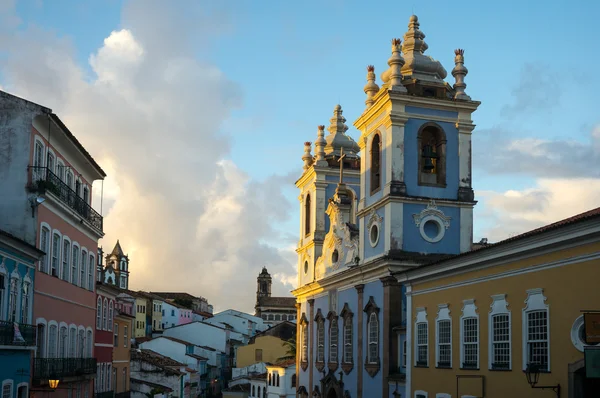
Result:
pixel 50 162
pixel 500 342
pixel 66 256
pixel 91 273
pixel 320 340
pixel 444 343
pixel 125 336
pixel 422 337
pixel 52 336
pixel 470 343
pixel 82 270
pixel 45 247
pixel 124 379
pixel 55 255
pixel 537 338
pixel 258 355
pixel 404 353
pixel 38 158
pixel 116 338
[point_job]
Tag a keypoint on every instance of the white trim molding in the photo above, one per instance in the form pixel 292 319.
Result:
pixel 442 395
pixel 421 319
pixel 421 394
pixel 499 310
pixel 536 302
pixel 443 315
pixel 469 314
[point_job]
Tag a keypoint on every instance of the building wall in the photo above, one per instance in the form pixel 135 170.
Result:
pixel 272 349
pixel 157 315
pixel 568 289
pixel 170 315
pixel 185 316
pixel 200 334
pixel 121 353
pixel 140 317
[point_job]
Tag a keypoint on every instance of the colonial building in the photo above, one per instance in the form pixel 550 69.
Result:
pixel 47 178
pixel 272 309
pixel 197 304
pixel 105 313
pixel 406 201
pixel 267 346
pixel 18 260
pixel 481 318
pixel 123 328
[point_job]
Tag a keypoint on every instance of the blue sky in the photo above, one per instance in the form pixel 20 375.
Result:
pixel 532 65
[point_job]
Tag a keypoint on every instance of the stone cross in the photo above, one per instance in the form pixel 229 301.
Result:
pixel 341 161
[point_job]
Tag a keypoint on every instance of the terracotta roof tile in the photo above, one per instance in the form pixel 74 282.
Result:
pixel 286 302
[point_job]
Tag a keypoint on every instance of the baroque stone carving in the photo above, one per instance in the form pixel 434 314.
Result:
pixel 432 210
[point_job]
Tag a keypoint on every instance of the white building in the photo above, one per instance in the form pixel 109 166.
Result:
pixel 258 386
pixel 154 374
pixel 240 322
pixel 281 380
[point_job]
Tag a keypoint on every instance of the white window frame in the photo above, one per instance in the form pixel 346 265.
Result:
pixel 75 248
pixel 45 261
pixel 442 395
pixel 111 309
pixel 52 347
pixel 69 173
pixel 24 384
pixel 91 273
pixel 26 300
pixel 99 313
pixel 58 255
pixel 420 393
pixel 60 169
pixel 105 314
pixel 83 257
pixel 12 387
pixel 72 341
pixel 320 341
pixel 536 301
pixel 50 152
pixel 421 318
pixel 63 343
pixel 43 339
pixel 17 296
pixel 499 306
pixel 89 336
pixel 373 315
pixel 65 273
pixel 442 315
pixel 304 343
pixel 334 331
pixel 469 311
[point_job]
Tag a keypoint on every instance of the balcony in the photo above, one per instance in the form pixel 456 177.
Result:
pixel 7 334
pixel 42 180
pixel 59 368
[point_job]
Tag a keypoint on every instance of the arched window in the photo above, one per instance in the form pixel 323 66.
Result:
pixel 41 341
pixel 62 342
pixel 99 314
pixel 72 342
pixel 320 341
pixel 104 314
pixel 75 265
pixel 83 269
pixel 81 343
pixel 304 343
pixel 294 380
pixel 258 391
pixel 375 163
pixel 347 359
pixel 277 378
pixel 253 391
pixel 307 216
pixel 66 256
pixel 52 340
pixel 373 338
pixel 90 343
pixel 110 314
pixel 333 339
pixel 432 155
pixel 270 379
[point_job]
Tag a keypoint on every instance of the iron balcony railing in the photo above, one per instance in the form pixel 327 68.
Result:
pixel 57 368
pixel 42 179
pixel 9 335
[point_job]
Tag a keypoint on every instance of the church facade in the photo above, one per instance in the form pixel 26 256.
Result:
pixel 398 198
pixel 272 310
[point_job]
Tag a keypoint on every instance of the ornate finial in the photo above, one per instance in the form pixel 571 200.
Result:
pixel 459 72
pixel 371 88
pixel 307 157
pixel 337 122
pixel 396 62
pixel 418 65
pixel 320 147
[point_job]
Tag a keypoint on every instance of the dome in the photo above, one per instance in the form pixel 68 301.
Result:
pixel 337 138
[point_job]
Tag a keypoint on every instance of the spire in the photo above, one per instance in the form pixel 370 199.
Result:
pixel 459 72
pixel 307 157
pixel 337 137
pixel 320 147
pixel 371 88
pixel 419 66
pixel 396 62
pixel 117 251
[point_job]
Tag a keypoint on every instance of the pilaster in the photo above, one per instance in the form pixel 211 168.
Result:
pixel 311 340
pixel 394 161
pixel 465 190
pixel 298 350
pixel 388 282
pixel 409 342
pixel 359 352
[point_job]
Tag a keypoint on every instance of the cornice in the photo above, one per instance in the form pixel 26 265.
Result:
pixel 412 199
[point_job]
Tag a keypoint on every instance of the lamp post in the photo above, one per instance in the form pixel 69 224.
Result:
pixel 532 372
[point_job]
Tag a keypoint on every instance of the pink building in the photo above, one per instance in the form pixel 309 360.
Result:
pixel 48 187
pixel 185 315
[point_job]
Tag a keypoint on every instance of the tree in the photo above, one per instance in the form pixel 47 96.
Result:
pixel 290 349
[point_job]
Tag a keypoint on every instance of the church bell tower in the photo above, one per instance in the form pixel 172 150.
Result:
pixel 416 193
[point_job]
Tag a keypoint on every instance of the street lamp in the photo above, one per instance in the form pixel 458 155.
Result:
pixel 53 384
pixel 532 372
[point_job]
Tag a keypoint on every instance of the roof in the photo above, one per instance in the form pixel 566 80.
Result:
pixel 261 376
pixel 77 143
pixel 283 330
pixel 39 253
pixel 117 251
pixel 175 340
pixel 286 363
pixel 190 370
pixel 149 383
pixel 585 216
pixel 202 313
pixel 197 357
pixel 156 359
pixel 283 302
pixel 147 295
pixel 239 387
pixel 176 295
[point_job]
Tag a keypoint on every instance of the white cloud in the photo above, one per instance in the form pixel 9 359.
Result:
pixel 152 115
pixel 514 212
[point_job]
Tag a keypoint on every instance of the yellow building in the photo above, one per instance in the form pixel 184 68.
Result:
pixel 121 349
pixel 140 316
pixel 478 319
pixel 266 346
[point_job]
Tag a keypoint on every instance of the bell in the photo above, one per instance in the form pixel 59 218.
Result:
pixel 429 155
pixel 428 166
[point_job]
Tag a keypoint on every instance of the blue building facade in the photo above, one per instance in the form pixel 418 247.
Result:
pixel 399 198
pixel 17 332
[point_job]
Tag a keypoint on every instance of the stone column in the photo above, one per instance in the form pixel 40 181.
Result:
pixel 311 339
pixel 465 190
pixel 388 282
pixel 359 352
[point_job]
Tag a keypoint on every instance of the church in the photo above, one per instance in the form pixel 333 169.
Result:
pixel 405 201
pixel 272 310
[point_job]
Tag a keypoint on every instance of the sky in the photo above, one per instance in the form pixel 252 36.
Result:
pixel 198 111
